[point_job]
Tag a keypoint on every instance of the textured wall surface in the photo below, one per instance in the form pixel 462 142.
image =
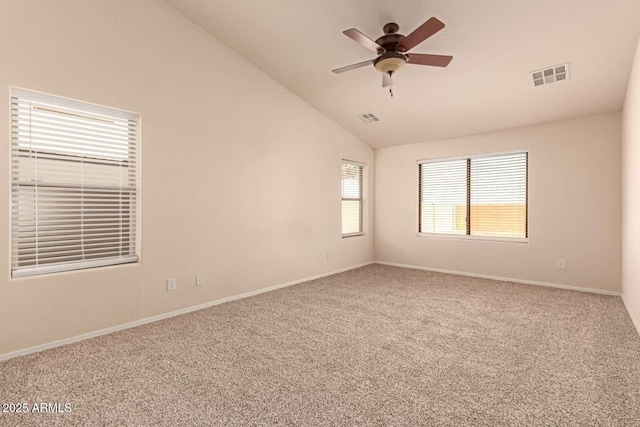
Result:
pixel 574 205
pixel 631 194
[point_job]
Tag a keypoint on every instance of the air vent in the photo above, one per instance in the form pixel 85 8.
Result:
pixel 368 118
pixel 550 75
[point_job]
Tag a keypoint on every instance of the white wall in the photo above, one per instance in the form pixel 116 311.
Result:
pixel 574 205
pixel 241 179
pixel 631 194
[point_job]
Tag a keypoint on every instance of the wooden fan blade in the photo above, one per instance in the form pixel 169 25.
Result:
pixel 353 66
pixel 420 34
pixel 386 80
pixel 433 60
pixel 363 40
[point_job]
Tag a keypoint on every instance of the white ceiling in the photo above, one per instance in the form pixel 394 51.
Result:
pixel 495 44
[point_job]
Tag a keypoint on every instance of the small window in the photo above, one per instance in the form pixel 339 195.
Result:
pixel 352 198
pixel 74 186
pixel 476 196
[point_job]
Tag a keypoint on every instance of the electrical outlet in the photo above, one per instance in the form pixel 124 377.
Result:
pixel 172 284
pixel 560 264
pixel 328 256
pixel 199 279
pixel 401 249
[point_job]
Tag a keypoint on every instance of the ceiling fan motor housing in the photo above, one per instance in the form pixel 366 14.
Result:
pixel 390 41
pixel 390 62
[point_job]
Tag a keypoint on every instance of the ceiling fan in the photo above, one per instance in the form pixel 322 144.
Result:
pixel 392 50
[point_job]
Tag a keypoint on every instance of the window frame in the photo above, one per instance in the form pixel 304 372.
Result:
pixel 361 199
pixel 469 237
pixel 136 217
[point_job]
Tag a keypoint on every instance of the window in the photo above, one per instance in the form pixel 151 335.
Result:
pixel 476 196
pixel 351 198
pixel 74 185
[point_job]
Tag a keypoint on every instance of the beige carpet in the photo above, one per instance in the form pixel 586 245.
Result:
pixel 374 346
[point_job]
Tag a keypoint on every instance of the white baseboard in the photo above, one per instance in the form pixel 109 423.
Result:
pixel 139 322
pixel 634 319
pixel 502 279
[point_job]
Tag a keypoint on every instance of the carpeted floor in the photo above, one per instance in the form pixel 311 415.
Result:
pixel 374 346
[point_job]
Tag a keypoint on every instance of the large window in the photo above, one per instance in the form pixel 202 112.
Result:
pixel 74 184
pixel 352 198
pixel 476 196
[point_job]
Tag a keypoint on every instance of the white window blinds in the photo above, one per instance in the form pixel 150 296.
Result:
pixel 498 196
pixel 443 197
pixel 74 184
pixel 351 198
pixel 476 196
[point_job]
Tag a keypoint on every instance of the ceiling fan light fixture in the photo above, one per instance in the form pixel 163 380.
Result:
pixel 390 62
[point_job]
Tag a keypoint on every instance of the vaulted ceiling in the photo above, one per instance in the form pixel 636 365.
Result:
pixel 487 86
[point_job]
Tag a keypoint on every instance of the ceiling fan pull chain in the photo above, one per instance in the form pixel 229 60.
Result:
pixel 391 84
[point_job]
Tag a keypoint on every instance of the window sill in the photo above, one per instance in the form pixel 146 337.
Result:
pixel 475 238
pixel 73 267
pixel 344 236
